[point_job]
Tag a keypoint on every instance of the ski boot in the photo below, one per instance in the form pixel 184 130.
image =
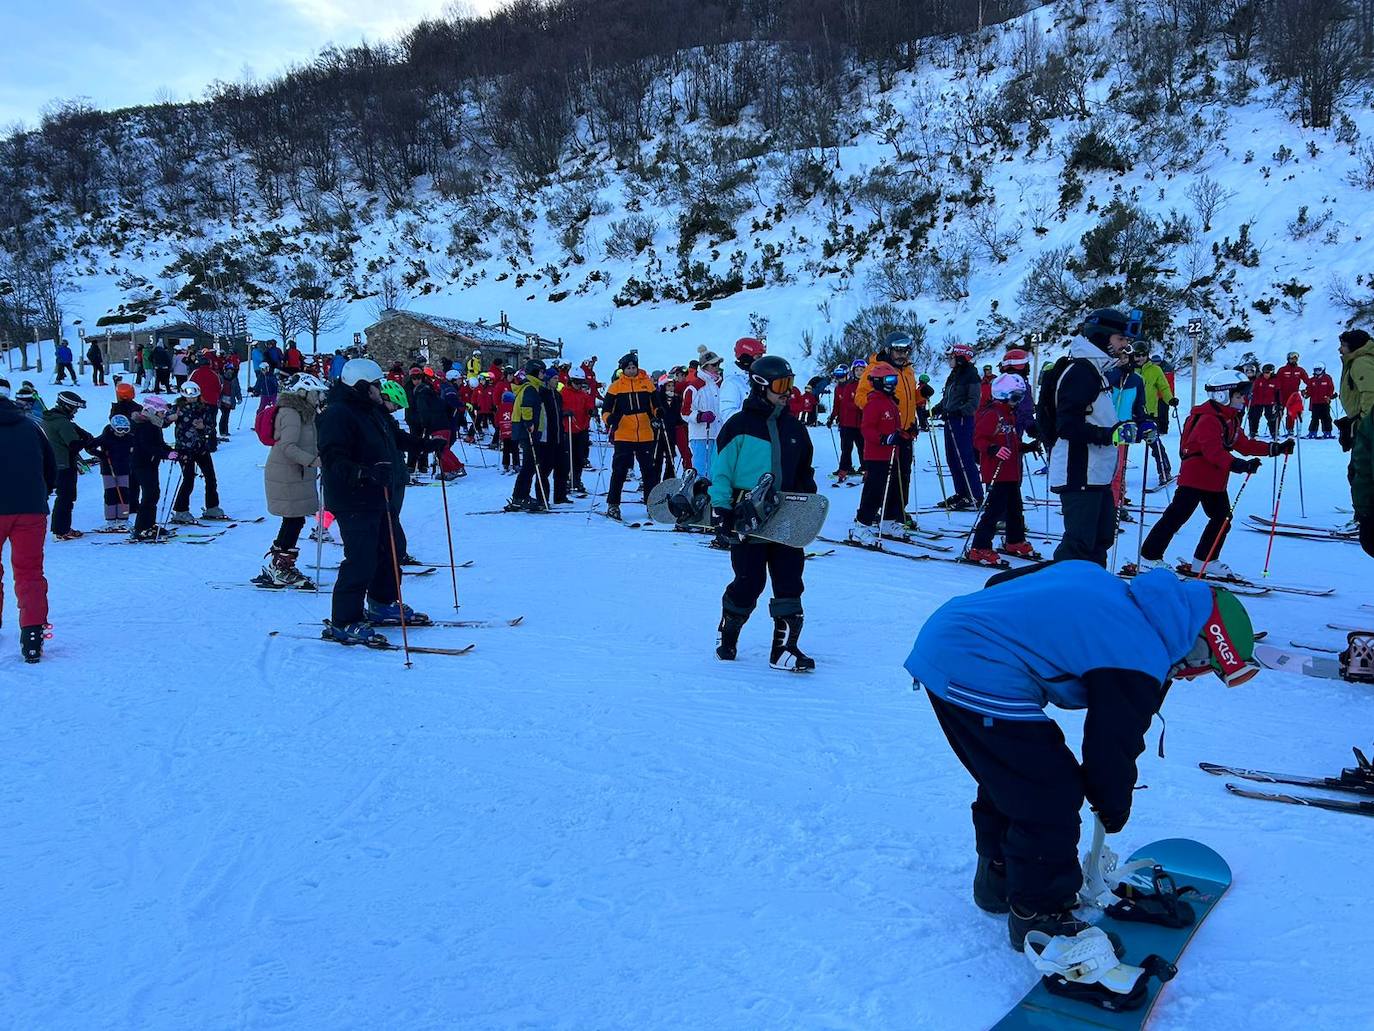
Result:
pixel 31 642
pixel 319 535
pixel 990 885
pixel 390 614
pixel 983 557
pixel 1147 564
pixel 112 526
pixel 215 514
pixel 183 519
pixel 1022 550
pixel 1061 922
pixel 865 536
pixel 152 535
pixel 281 571
pixel 784 653
pixel 70 535
pixel 893 530
pixel 1311 436
pixel 354 633
pixel 1123 515
pixel 407 559
pixel 731 623
pixel 959 503
pixel 613 512
pixel 449 477
pixel 517 505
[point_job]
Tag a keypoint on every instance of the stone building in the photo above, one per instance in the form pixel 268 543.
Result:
pixel 406 336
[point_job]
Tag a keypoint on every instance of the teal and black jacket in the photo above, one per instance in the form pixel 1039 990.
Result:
pixel 758 439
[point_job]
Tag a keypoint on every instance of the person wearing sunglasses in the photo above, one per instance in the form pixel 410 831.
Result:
pixel 1071 635
pixel 896 353
pixel 1088 433
pixel 762 438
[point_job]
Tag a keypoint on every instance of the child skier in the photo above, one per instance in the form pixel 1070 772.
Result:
pixel 116 445
pixel 1210 433
pixel 881 430
pixel 197 441
pixel 505 433
pixel 998 443
pixel 148 452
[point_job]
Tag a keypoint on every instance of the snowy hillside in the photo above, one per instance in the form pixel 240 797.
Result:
pixel 1077 155
pixel 589 822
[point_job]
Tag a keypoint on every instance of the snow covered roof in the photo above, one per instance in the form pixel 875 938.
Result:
pixel 477 333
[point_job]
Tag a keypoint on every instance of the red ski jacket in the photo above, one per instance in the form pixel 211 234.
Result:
pixel 1264 391
pixel 1210 433
pixel 1290 379
pixel 1321 389
pixel 847 413
pixel 994 427
pixel 881 418
pixel 210 384
pixel 577 409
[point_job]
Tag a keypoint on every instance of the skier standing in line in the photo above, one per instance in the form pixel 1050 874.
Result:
pixel 149 451
pixel 1159 399
pixel 633 420
pixel 762 438
pixel 1291 381
pixel 1357 428
pixel 1209 435
pixel 64 363
pixel 68 441
pixel 536 421
pixel 1083 460
pixel 1264 401
pixel 701 409
pixel 880 498
pixel 896 353
pixel 1085 640
pixel 734 389
pixel 196 443
pixel 578 408
pixel 959 404
pixel 290 479
pixel 1320 390
pixel 28 474
pixel 115 446
pixel 997 438
pixel 844 411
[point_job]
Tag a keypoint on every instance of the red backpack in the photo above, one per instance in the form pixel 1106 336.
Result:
pixel 265 424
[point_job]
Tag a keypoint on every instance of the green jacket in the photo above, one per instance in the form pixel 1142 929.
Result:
pixel 1357 382
pixel 65 436
pixel 1156 388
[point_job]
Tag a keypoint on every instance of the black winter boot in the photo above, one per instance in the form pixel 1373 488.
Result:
pixel 31 643
pixel 785 654
pixel 990 885
pixel 1062 922
pixel 731 623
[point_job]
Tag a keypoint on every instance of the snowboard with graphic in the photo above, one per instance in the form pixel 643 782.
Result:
pixel 796 522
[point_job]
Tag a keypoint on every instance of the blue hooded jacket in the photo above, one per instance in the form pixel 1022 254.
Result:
pixel 1009 650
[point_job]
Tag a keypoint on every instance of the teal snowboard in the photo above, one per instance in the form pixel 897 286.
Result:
pixel 1191 864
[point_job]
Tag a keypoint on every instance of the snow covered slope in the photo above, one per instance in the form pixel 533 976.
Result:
pixel 589 822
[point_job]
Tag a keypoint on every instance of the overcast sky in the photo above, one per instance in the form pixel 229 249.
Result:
pixel 122 53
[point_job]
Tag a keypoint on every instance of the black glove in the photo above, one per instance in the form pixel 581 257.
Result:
pixel 937 411
pixel 1345 430
pixel 1283 447
pixel 1112 822
pixel 656 425
pixel 378 474
pixel 1034 447
pixel 1245 465
pixel 889 440
pixel 723 522
pixel 1173 402
pixel 436 445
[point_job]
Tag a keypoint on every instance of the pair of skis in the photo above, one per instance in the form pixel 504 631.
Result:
pixel 1355 780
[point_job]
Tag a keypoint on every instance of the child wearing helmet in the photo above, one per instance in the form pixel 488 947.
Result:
pixel 846 412
pixel 115 447
pixel 196 443
pixel 997 438
pixel 882 483
pixel 1321 388
pixel 148 452
pixel 1210 435
pixel 290 479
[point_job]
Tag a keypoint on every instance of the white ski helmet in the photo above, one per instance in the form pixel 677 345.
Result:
pixel 190 391
pixel 305 383
pixel 360 370
pixel 1221 385
pixel 1008 387
pixel 1318 369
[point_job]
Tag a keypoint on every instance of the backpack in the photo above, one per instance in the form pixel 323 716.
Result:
pixel 265 424
pixel 1046 402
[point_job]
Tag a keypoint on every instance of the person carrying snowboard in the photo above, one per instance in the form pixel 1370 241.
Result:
pixel 1072 635
pixel 997 438
pixel 762 438
pixel 882 489
pixel 1210 434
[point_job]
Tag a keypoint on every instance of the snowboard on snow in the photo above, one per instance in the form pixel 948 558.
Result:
pixel 1191 864
pixel 795 522
pixel 1287 660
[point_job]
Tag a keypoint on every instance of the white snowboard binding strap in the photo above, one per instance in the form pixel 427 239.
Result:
pixel 1085 967
pixel 1103 872
pixel 1357 661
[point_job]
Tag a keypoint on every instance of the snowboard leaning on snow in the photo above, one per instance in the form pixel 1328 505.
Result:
pixel 1191 864
pixel 795 523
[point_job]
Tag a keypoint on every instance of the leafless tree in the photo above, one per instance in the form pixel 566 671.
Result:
pixel 1208 197
pixel 320 309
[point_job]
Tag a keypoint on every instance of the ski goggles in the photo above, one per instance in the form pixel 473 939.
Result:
pixel 889 382
pixel 781 385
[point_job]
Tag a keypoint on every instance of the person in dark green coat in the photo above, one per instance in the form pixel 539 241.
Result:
pixel 68 440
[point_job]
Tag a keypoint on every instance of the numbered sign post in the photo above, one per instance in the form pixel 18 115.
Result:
pixel 1194 331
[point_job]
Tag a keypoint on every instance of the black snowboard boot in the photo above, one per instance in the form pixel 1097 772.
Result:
pixel 785 654
pixel 731 623
pixel 31 643
pixel 990 886
pixel 1062 922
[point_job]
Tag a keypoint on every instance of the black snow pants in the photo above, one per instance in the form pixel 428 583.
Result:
pixel 367 570
pixel 1186 500
pixel 754 562
pixel 1089 525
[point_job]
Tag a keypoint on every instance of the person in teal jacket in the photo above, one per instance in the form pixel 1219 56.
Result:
pixel 1072 635
pixel 762 438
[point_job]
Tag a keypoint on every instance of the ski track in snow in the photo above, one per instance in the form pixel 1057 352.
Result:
pixel 589 821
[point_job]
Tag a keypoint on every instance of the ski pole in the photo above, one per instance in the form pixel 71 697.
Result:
pixel 1226 525
pixel 1025 474
pixel 939 472
pixel 448 529
pixel 396 570
pixel 887 484
pixel 319 545
pixel 982 506
pixel 1123 458
pixel 1274 527
pixel 167 509
pixel 1140 530
pixel 1302 500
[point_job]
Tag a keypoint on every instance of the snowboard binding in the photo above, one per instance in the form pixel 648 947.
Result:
pixel 1357 661
pixel 690 501
pixel 1162 903
pixel 755 509
pixel 1085 967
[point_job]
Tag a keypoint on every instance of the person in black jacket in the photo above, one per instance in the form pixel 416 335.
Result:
pixel 424 415
pixel 959 404
pixel 97 361
pixel 363 476
pixel 148 453
pixel 162 369
pixel 28 474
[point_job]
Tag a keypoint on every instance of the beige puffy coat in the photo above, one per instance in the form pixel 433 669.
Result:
pixel 292 472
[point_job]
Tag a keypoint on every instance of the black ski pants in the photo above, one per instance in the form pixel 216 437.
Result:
pixel 581 452
pixel 880 478
pixel 97 374
pixel 1321 416
pixel 1214 503
pixel 1003 502
pixel 1089 525
pixel 1030 790
pixel 205 462
pixel 851 442
pixel 367 570
pixel 626 454
pixel 1163 467
pixel 754 562
pixel 65 500
pixel 145 495
pixel 65 369
pixel 289 534
pixel 1271 419
pixel 539 462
